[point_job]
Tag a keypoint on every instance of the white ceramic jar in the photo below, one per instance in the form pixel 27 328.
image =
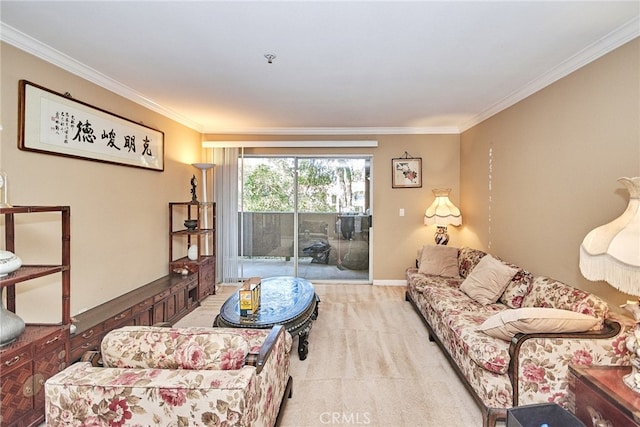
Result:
pixel 9 262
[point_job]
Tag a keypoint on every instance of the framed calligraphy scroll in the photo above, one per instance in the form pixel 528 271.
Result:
pixel 53 123
pixel 406 172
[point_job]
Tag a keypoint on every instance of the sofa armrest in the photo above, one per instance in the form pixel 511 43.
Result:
pixel 146 397
pixel 260 358
pixel 539 362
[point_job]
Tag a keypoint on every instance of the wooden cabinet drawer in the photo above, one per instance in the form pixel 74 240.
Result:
pixel 90 334
pixel 595 411
pixel 162 295
pixel 601 398
pixel 142 306
pixel 16 389
pixel 85 341
pixel 12 358
pixel 51 341
pixel 84 346
pixel 119 319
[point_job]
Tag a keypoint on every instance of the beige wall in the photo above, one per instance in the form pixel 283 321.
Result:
pixel 119 214
pixel 395 238
pixel 556 158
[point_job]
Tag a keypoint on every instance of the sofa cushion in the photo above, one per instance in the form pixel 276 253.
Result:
pixel 421 281
pixel 487 352
pixel 468 258
pixel 488 280
pixel 517 289
pixel 174 348
pixel 529 320
pixel 453 300
pixel 551 293
pixel 439 260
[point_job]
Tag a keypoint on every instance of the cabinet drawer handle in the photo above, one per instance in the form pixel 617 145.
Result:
pixel 85 345
pixel 88 334
pixel 120 316
pixel 52 340
pixel 12 361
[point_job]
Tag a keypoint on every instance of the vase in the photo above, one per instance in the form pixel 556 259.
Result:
pixel 11 325
pixel 192 252
pixel 9 262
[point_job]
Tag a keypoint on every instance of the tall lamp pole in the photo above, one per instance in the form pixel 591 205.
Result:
pixel 204 167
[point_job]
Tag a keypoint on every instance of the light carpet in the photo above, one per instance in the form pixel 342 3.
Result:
pixel 370 363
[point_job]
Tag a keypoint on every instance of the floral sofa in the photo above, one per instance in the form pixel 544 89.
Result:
pixel 511 344
pixel 155 376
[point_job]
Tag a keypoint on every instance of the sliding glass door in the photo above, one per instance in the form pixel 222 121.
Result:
pixel 305 216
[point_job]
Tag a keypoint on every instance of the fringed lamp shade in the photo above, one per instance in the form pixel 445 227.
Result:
pixel 442 213
pixel 611 252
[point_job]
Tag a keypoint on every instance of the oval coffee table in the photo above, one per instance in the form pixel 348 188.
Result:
pixel 288 301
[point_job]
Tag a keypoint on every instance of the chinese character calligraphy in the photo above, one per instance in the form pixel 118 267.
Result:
pixel 58 124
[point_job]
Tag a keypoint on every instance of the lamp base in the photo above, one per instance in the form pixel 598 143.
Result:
pixel 442 238
pixel 632 380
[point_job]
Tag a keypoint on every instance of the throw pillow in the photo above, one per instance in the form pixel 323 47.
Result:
pixel 529 320
pixel 517 289
pixel 488 280
pixel 439 260
pixel 468 259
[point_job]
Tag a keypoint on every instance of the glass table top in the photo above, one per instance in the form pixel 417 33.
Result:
pixel 281 300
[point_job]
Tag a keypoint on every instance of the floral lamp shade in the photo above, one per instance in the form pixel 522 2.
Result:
pixel 442 212
pixel 611 253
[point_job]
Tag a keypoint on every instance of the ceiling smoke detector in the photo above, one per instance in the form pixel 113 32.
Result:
pixel 270 57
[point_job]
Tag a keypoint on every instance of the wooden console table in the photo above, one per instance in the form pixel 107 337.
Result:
pixel 601 398
pixel 164 300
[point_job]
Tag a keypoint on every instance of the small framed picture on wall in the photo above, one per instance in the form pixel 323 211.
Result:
pixel 406 172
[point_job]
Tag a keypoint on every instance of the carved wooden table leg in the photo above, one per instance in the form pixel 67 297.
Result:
pixel 303 344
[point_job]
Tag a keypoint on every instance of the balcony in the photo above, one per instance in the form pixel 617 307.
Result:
pixel 331 246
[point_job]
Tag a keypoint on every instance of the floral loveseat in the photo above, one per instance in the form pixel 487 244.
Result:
pixel 512 341
pixel 154 376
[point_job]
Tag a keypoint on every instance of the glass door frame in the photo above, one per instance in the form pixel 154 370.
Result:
pixel 368 180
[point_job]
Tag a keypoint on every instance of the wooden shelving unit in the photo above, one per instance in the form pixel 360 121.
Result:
pixel 204 264
pixel 42 350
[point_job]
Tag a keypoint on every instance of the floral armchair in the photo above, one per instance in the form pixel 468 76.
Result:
pixel 171 376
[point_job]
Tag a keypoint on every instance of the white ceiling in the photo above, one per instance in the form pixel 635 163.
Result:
pixel 342 67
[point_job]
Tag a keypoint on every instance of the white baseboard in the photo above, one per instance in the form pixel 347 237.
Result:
pixel 390 283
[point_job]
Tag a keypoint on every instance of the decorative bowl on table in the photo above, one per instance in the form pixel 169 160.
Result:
pixel 191 224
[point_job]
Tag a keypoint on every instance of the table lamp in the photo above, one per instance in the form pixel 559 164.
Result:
pixel 442 213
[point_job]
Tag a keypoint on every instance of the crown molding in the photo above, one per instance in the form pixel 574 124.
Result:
pixel 30 45
pixel 337 131
pixel 611 41
pixel 291 144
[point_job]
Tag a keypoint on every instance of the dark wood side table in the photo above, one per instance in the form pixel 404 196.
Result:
pixel 601 397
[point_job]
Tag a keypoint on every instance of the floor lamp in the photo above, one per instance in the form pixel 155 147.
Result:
pixel 204 167
pixel 611 253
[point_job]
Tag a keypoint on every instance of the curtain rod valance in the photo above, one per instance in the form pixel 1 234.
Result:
pixel 290 144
